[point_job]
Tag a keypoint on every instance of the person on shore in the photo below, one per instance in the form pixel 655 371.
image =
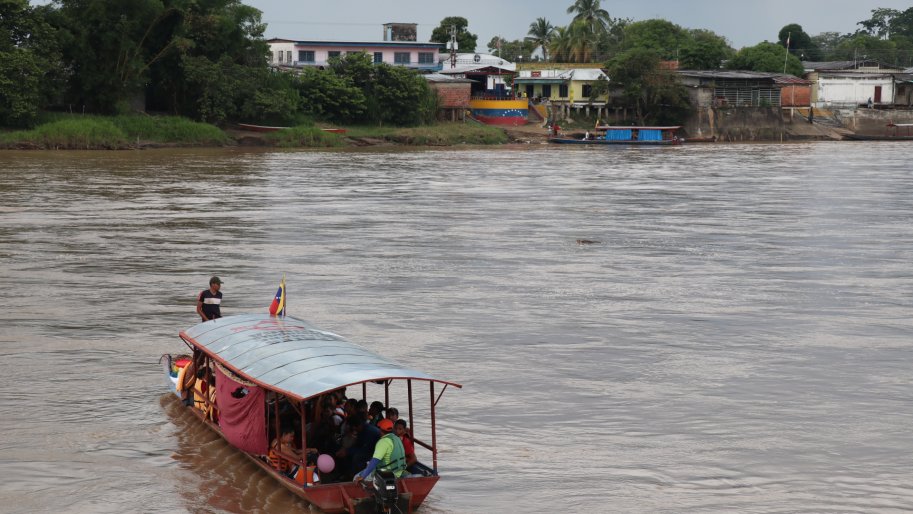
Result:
pixel 210 300
pixel 389 454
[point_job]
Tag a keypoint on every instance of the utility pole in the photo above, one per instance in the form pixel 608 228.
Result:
pixel 453 46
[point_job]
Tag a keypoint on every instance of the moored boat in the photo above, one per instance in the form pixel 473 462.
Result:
pixel 250 376
pixel 893 132
pixel 622 135
pixel 266 128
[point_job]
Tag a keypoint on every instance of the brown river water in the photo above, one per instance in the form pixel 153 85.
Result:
pixel 735 337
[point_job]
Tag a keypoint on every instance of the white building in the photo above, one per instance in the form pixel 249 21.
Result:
pixel 852 83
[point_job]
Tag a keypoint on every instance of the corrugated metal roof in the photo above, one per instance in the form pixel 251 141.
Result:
pixel 779 78
pixel 293 356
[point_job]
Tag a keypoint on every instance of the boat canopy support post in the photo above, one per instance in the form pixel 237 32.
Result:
pixel 433 427
pixel 411 425
pixel 387 393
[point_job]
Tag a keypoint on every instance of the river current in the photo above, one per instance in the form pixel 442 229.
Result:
pixel 704 328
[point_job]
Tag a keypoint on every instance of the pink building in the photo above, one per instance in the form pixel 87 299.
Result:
pixel 411 54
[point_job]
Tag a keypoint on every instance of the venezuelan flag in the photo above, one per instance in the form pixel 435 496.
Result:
pixel 277 308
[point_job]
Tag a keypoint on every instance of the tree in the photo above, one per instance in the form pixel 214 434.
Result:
pixel 465 39
pixel 517 50
pixel 662 36
pixel 540 34
pixel 655 93
pixel 880 24
pixel 29 63
pixel 862 46
pixel 800 44
pixel 705 50
pixel 768 57
pixel 591 14
pixel 827 43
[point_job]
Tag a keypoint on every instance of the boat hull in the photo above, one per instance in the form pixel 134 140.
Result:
pixel 331 498
pixel 864 137
pixel 606 142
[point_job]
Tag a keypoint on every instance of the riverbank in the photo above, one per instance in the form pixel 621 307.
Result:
pixel 132 132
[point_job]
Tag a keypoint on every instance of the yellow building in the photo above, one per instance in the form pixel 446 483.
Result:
pixel 571 86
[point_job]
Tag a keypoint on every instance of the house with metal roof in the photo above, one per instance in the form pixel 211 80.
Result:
pixel 289 53
pixel 850 84
pixel 572 86
pixel 735 88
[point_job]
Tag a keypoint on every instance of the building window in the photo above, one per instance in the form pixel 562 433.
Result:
pixel 587 90
pixel 529 90
pixel 562 91
pixel 333 53
pixel 425 58
pixel 378 57
pixel 280 56
pixel 288 57
pixel 305 56
pixel 547 90
pixel 401 58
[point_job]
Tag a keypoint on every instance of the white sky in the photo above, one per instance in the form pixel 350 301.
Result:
pixel 744 23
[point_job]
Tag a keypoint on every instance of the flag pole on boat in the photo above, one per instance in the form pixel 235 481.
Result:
pixel 280 301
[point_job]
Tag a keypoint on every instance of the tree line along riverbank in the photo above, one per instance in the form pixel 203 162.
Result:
pixel 123 132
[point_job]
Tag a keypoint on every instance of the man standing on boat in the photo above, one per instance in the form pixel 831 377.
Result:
pixel 389 453
pixel 209 301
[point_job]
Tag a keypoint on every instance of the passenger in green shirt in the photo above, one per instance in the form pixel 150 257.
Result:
pixel 388 454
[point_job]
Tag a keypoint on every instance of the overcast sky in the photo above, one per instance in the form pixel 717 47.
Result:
pixel 744 23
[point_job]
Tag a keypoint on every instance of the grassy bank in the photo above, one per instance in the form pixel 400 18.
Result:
pixel 441 134
pixel 79 132
pixel 82 132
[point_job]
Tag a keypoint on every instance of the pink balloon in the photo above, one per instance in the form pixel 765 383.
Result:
pixel 325 463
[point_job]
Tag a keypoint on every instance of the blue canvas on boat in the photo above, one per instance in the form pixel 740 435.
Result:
pixel 650 135
pixel 618 135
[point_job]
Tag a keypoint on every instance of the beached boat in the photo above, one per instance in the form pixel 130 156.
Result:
pixel 250 374
pixel 893 132
pixel 267 128
pixel 621 135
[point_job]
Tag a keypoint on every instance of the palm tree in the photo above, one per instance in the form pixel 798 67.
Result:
pixel 540 32
pixel 595 17
pixel 560 44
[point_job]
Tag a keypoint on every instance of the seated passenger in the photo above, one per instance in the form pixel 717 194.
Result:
pixel 393 414
pixel 284 445
pixel 375 413
pixel 388 454
pixel 408 445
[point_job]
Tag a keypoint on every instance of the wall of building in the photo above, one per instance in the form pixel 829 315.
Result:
pixel 453 95
pixel 796 96
pixel 852 91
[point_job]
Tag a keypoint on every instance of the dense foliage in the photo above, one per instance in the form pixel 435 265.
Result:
pixel 355 90
pixel 655 93
pixel 769 57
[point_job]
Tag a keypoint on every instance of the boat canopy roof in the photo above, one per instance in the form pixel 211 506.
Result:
pixel 292 356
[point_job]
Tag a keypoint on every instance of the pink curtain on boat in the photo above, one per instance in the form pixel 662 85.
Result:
pixel 242 414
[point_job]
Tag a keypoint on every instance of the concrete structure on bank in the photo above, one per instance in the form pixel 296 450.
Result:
pixel 843 84
pixel 297 54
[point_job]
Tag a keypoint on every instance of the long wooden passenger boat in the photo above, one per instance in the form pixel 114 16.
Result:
pixel 893 132
pixel 622 135
pixel 248 374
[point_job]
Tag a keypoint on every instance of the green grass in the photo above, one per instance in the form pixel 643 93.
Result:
pixel 303 136
pixel 440 134
pixel 79 132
